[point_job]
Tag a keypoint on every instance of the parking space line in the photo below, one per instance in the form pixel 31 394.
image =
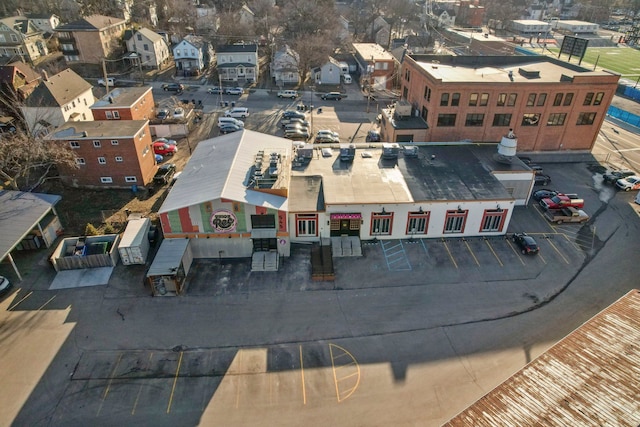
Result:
pixel 237 378
pixel 175 381
pixel 515 251
pixel 471 252
pixel 450 254
pixel 304 391
pixel 558 251
pixel 347 391
pixel 135 403
pixel 106 390
pixel 50 299
pixel 21 299
pixel 493 252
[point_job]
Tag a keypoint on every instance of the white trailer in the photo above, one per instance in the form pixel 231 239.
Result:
pixel 134 246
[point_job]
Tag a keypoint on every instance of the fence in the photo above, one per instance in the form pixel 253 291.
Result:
pixel 624 116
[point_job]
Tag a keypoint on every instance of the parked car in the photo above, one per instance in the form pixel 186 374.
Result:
pixel 159 158
pixel 229 128
pixel 290 114
pixel 162 114
pixel 298 121
pixel 526 243
pixel 222 121
pixel 164 174
pixel 612 176
pixel 296 126
pixel 234 91
pixel 541 179
pixel 297 134
pixel 173 87
pixel 288 94
pixel 164 149
pixel 237 112
pixel 543 194
pixel 215 90
pixel 5 285
pixel 327 136
pixel 166 141
pixel 373 136
pixel 629 183
pixel 178 113
pixel 110 80
pixel 332 96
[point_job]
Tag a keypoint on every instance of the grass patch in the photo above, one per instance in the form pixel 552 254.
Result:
pixel 623 60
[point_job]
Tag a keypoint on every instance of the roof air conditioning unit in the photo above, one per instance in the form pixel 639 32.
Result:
pixel 403 108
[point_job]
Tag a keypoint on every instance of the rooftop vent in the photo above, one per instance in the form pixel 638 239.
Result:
pixel 507 148
pixel 529 74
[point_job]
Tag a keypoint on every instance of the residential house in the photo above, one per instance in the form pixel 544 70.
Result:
pixel 376 65
pixel 151 49
pixel 110 154
pixel 445 15
pixel 549 104
pixel 45 22
pixel 20 39
pixel 90 39
pixel 192 55
pixel 380 31
pixel 284 67
pixel 125 103
pixel 330 72
pixel 238 62
pixel 57 99
pixel 18 80
pixel 207 18
pixel 470 14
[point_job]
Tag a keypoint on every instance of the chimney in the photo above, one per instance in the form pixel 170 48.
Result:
pixel 45 76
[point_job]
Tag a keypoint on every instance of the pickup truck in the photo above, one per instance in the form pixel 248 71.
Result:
pixel 566 215
pixel 562 200
pixel 164 174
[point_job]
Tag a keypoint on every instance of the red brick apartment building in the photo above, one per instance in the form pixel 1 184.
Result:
pixel 125 103
pixel 550 104
pixel 110 154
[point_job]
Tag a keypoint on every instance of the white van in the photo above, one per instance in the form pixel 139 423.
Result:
pixel 229 121
pixel 288 94
pixel 347 79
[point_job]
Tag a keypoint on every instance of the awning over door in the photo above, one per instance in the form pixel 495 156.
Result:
pixel 346 216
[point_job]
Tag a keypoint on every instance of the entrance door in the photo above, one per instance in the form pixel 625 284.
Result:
pixel 345 225
pixel 264 245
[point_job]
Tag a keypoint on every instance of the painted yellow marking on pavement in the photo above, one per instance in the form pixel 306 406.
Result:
pixel 494 253
pixel 50 299
pixel 175 381
pixel 558 251
pixel 237 378
pixel 135 403
pixel 353 362
pixel 304 392
pixel 21 299
pixel 450 254
pixel 515 251
pixel 106 390
pixel 472 254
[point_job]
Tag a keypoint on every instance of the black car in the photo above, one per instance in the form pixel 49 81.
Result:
pixel 544 193
pixel 542 179
pixel 164 173
pixel 373 136
pixel 612 176
pixel 229 128
pixel 332 95
pixel 173 87
pixel 162 114
pixel 526 243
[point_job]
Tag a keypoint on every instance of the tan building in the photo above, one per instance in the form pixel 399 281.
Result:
pixel 21 39
pixel 90 39
pixel 550 105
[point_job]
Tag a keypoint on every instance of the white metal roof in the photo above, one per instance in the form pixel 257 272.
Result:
pixel 168 258
pixel 590 378
pixel 220 168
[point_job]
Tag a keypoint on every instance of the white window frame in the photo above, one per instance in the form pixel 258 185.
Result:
pixel 97 144
pixel 130 179
pixel 74 144
pixel 102 160
pixel 116 115
pixel 119 159
pixel 114 142
pixel 106 180
pixel 108 115
pixel 80 161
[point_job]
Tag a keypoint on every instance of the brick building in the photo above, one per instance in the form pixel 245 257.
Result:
pixel 110 154
pixel 376 65
pixel 126 103
pixel 550 104
pixel 90 39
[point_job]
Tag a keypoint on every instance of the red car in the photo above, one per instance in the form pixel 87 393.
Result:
pixel 164 149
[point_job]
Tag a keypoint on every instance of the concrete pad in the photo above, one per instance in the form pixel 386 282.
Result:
pixel 80 278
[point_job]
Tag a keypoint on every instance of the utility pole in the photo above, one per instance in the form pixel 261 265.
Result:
pixel 104 75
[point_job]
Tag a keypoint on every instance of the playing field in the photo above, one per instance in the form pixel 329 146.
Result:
pixel 623 60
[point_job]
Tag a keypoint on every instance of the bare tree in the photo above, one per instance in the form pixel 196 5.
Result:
pixel 312 51
pixel 232 30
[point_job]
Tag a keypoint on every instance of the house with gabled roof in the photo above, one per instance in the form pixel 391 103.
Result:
pixel 18 80
pixel 238 62
pixel 192 55
pixel 151 49
pixel 91 38
pixel 328 73
pixel 284 67
pixel 21 39
pixel 45 22
pixel 57 99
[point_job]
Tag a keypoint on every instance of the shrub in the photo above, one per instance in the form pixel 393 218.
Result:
pixel 90 230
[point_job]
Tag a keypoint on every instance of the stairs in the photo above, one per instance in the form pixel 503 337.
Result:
pixel 265 261
pixel 346 246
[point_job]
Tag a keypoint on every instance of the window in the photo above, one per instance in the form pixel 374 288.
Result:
pixel 102 160
pixel 80 161
pixel 446 120
pixel 593 98
pixel 407 75
pixel 588 99
pixel 530 119
pixel 455 99
pixel 108 115
pixel 511 101
pixel 557 101
pixel 474 120
pixel 114 142
pixel 542 99
pixel 502 100
pixel 502 119
pixel 493 220
pixel 473 100
pixel 74 144
pixel 455 221
pixel 381 223
pixel 145 47
pixel 130 179
pixel 145 151
pixel 427 93
pixel 598 99
pixel 106 179
pixel 139 37
pixel 14 38
pixel 97 144
pixel 586 119
pixel 306 225
pixel 444 100
pixel 116 115
pixel 556 119
pixel 531 100
pixel 177 52
pixel 417 223
pixel 119 159
pixel 424 114
pixel 484 99
pixel 567 100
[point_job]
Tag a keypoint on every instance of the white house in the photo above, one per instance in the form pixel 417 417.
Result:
pixel 284 67
pixel 191 55
pixel 237 62
pixel 45 22
pixel 152 49
pixel 329 72
pixel 60 98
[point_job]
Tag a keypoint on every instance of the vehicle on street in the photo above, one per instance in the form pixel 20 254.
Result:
pixel 164 174
pixel 288 94
pixel 162 114
pixel 217 90
pixel 237 112
pixel 562 200
pixel 172 87
pixel 5 285
pixel 629 183
pixel 332 96
pixel 234 91
pixel 373 136
pixel 178 113
pixel 166 141
pixel 229 128
pixel 222 121
pixel 110 80
pixel 526 243
pixel 164 149
pixel 541 179
pixel 611 177
pixel 544 193
pixel 563 215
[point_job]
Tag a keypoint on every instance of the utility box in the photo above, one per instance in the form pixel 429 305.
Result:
pixel 134 246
